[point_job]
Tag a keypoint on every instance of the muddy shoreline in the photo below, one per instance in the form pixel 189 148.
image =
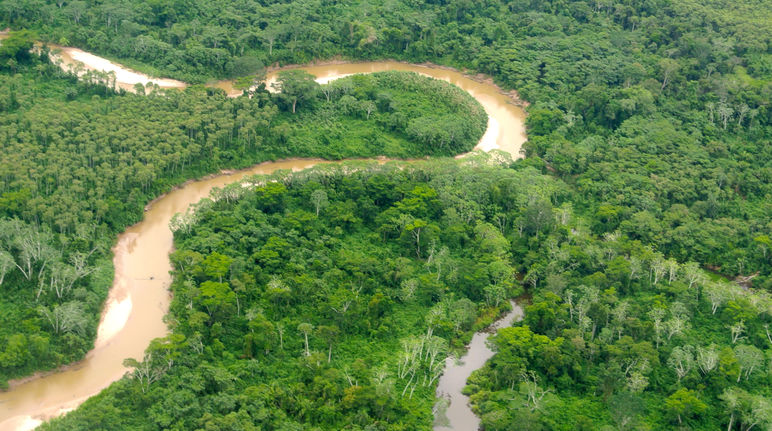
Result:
pixel 482 78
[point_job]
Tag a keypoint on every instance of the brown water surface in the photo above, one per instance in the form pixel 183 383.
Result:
pixel 139 298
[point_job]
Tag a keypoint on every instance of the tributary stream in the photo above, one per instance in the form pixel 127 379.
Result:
pixel 139 297
pixel 456 415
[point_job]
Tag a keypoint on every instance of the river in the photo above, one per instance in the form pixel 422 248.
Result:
pixel 139 297
pixel 455 414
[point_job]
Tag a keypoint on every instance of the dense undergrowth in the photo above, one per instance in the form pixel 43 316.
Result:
pixel 619 337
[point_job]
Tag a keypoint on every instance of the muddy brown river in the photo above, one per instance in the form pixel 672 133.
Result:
pixel 139 297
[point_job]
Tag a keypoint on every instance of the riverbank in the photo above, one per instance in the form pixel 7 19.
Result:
pixel 506 125
pixel 374 340
pixel 482 78
pixel 139 297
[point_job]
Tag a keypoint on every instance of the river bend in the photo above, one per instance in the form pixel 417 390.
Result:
pixel 139 298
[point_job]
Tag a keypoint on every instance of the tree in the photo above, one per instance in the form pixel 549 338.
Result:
pixel 415 227
pixel 625 408
pixel 216 297
pixel 675 326
pixel 439 259
pixel 751 409
pixel 692 273
pixel 658 268
pixel 249 72
pixel 182 222
pixel 656 315
pixel 619 314
pixel 16 352
pixel 668 67
pixel 757 411
pixel 737 331
pixel 732 398
pixel 717 295
pixel 494 294
pixel 368 106
pixel 764 244
pixel 707 358
pixel 6 264
pixel 277 291
pixel 329 334
pixel 263 333
pixel 538 215
pixel 76 9
pixel 749 358
pixel 68 317
pixel 725 112
pixel 16 47
pixel 682 361
pixel 684 403
pixel 305 329
pixel 742 111
pixel 280 327
pixel 408 289
pixel 462 313
pixel 319 199
pixel 148 371
pixel 296 87
pixel 270 34
pixel 519 349
pixel 534 393
pixel 216 266
pixel 342 301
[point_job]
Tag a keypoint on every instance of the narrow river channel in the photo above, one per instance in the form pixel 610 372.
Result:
pixel 454 413
pixel 139 297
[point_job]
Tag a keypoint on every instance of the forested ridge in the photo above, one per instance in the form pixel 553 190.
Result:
pixel 80 162
pixel 650 122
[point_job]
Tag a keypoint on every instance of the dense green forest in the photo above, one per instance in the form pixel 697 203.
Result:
pixel 619 337
pixel 303 302
pixel 649 126
pixel 651 110
pixel 79 163
pixel 328 299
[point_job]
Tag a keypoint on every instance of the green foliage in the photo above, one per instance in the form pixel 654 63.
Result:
pixel 656 114
pixel 296 86
pixel 388 113
pixel 16 48
pixel 79 167
pixel 326 336
pixel 626 338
